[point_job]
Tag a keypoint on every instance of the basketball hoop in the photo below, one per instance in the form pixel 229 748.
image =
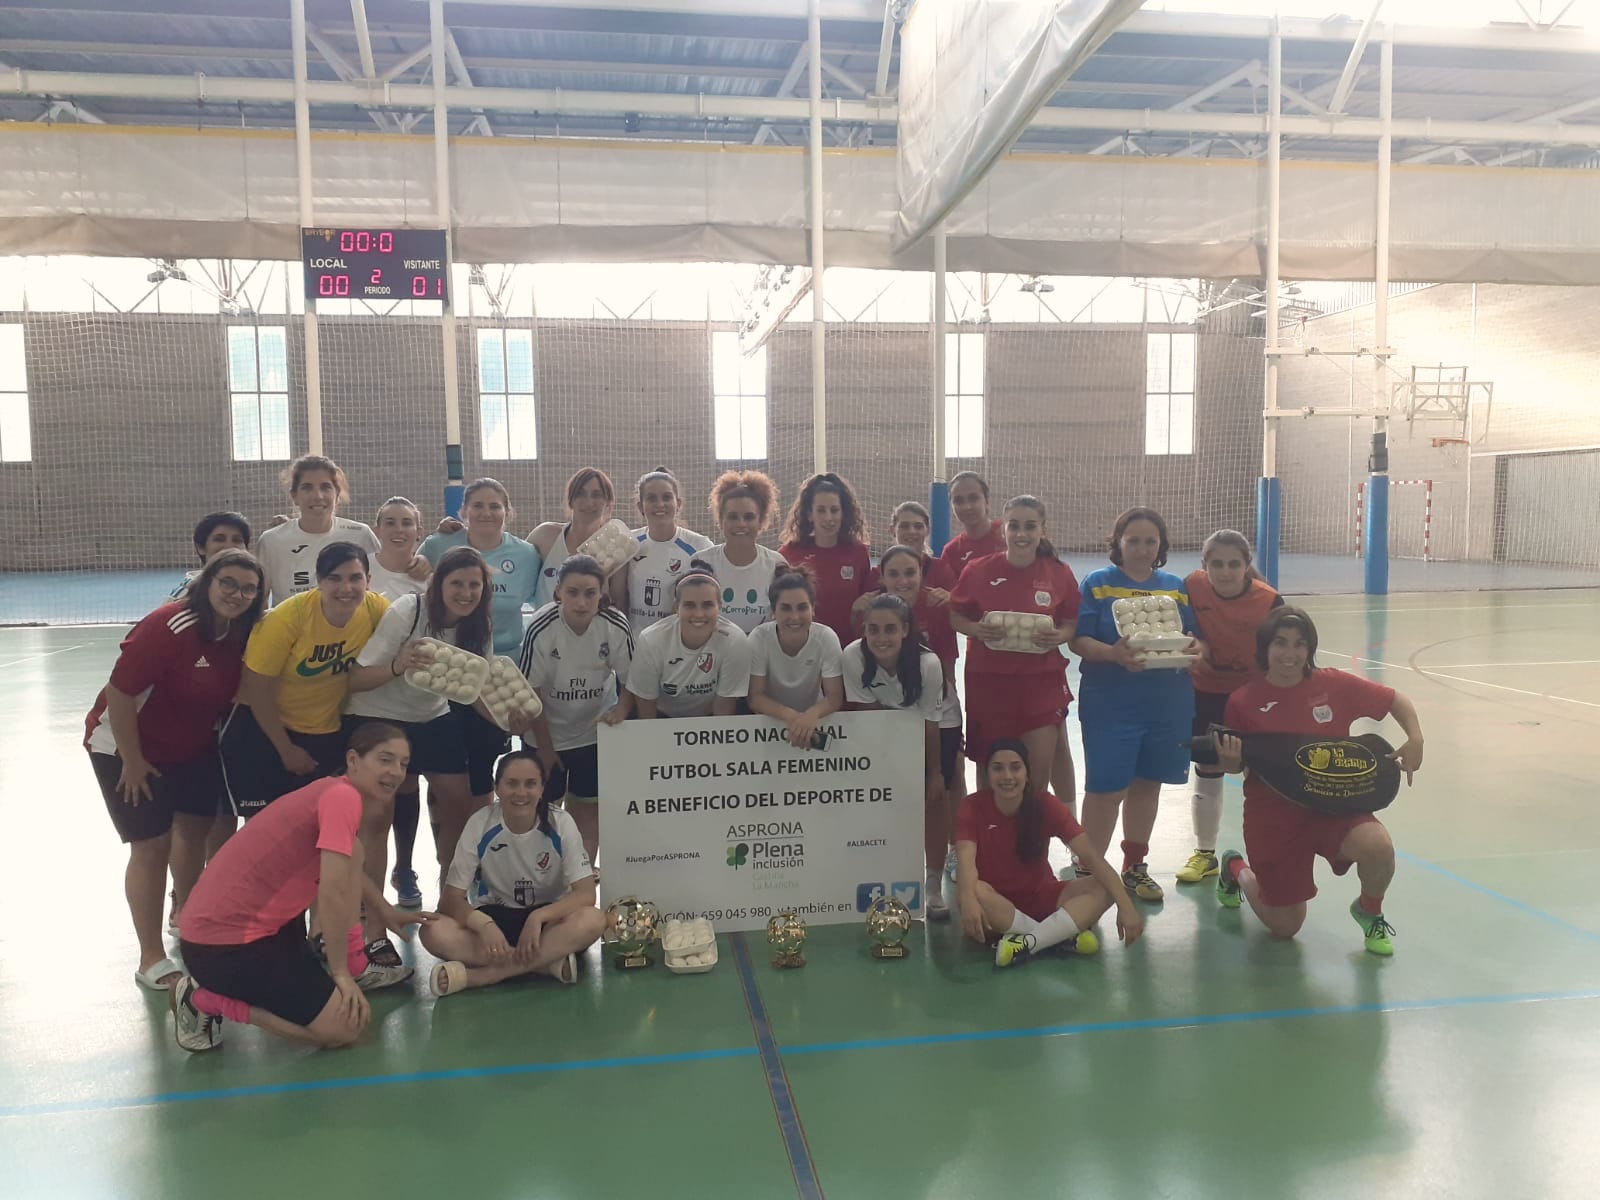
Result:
pixel 1455 449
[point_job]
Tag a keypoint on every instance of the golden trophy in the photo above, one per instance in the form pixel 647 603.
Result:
pixel 888 922
pixel 631 925
pixel 786 933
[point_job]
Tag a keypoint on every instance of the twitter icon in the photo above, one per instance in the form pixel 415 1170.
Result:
pixel 909 894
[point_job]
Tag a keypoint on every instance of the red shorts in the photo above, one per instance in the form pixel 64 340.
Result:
pixel 1282 842
pixel 1011 705
pixel 1039 902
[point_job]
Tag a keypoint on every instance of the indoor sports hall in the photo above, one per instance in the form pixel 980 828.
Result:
pixel 1324 276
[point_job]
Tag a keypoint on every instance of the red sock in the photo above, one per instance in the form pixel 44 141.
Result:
pixel 1371 905
pixel 221 1006
pixel 355 951
pixel 1134 853
pixel 1237 867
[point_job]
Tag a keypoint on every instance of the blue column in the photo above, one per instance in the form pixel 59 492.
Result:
pixel 1376 534
pixel 939 512
pixel 1269 520
pixel 455 488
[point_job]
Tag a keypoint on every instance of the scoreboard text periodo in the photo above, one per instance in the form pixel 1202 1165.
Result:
pixel 374 264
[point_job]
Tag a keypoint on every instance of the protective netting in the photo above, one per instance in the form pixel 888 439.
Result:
pixel 119 429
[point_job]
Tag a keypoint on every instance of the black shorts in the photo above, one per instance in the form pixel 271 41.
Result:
pixel 485 743
pixel 510 920
pixel 193 788
pixel 578 775
pixel 280 973
pixel 949 754
pixel 252 771
pixel 1209 709
pixel 438 747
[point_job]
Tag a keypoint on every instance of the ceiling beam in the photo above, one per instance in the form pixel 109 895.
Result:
pixel 358 14
pixel 1250 71
pixel 786 86
pixel 891 23
pixel 452 54
pixel 1555 114
pixel 1347 79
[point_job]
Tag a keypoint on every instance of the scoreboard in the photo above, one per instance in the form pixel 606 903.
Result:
pixel 375 264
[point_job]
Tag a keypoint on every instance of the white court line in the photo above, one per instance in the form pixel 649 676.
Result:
pixel 1435 608
pixel 32 657
pixel 1558 662
pixel 1428 673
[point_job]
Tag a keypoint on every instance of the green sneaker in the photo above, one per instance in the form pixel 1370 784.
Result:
pixel 1013 950
pixel 1137 880
pixel 1375 930
pixel 1202 864
pixel 1085 943
pixel 1228 893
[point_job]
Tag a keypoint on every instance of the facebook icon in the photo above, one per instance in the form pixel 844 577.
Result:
pixel 867 894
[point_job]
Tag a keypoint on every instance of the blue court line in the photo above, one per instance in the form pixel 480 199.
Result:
pixel 1188 1022
pixel 794 1135
pixel 647 1060
pixel 1520 906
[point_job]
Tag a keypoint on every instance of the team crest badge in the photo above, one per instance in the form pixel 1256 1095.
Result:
pixel 704 663
pixel 673 567
pixel 847 572
pixel 605 650
pixel 544 861
pixel 508 567
pixel 1042 599
pixel 1322 714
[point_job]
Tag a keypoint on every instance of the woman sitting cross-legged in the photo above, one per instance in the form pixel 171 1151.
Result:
pixel 1004 883
pixel 519 896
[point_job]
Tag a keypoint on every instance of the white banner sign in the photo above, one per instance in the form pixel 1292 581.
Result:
pixel 721 818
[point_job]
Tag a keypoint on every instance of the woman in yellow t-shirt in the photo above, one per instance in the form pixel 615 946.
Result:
pixel 284 730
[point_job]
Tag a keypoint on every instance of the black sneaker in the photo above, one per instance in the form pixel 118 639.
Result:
pixel 196 1031
pixel 384 967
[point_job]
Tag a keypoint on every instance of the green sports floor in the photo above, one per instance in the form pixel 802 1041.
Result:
pixel 1206 1061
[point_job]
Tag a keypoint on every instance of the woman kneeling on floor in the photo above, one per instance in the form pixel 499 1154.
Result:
pixel 243 931
pixel 1004 883
pixel 519 896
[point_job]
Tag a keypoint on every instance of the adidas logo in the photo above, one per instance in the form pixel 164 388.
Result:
pixel 201 661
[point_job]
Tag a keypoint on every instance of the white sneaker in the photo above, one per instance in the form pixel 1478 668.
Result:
pixel 933 906
pixel 196 1031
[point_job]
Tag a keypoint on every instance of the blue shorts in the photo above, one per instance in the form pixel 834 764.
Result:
pixel 1118 752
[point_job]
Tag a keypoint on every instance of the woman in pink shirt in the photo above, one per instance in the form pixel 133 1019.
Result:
pixel 243 931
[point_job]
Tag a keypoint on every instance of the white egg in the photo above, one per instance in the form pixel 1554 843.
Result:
pixel 463 693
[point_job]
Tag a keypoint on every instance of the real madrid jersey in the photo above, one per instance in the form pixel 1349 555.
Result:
pixel 576 673
pixel 517 870
pixel 654 569
pixel 288 553
pixel 744 589
pixel 685 682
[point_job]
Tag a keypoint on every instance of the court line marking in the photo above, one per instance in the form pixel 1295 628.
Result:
pixel 1555 662
pixel 801 1164
pixel 1430 673
pixel 47 654
pixel 1402 609
pixel 1520 906
pixel 1077 1029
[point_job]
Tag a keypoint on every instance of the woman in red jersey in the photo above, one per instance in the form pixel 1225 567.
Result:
pixel 979 536
pixel 1012 693
pixel 1293 695
pixel 1229 601
pixel 152 741
pixel 827 532
pixel 1005 884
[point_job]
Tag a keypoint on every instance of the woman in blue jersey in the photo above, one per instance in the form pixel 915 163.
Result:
pixel 1133 719
pixel 514 572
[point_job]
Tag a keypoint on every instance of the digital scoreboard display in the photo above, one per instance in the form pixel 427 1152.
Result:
pixel 374 264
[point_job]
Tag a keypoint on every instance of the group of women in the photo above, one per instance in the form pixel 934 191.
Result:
pixel 273 687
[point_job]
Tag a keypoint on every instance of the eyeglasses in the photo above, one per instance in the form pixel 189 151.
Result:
pixel 229 588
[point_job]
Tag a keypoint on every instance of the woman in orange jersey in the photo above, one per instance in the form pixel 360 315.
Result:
pixel 1229 601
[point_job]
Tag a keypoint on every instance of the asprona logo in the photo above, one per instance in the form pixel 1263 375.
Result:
pixel 767 845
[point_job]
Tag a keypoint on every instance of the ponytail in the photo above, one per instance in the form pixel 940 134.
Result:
pixel 908 666
pixel 1032 842
pixel 542 813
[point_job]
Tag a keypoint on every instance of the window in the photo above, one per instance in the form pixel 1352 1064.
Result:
pixel 963 395
pixel 1169 394
pixel 505 394
pixel 258 386
pixel 739 398
pixel 16 442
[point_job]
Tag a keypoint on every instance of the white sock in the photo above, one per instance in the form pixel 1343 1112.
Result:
pixel 933 885
pixel 1021 922
pixel 1056 928
pixel 1206 807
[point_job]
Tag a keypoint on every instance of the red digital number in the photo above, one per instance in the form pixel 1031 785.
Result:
pixel 386 243
pixel 419 286
pixel 377 277
pixel 347 241
pixel 333 285
pixel 439 288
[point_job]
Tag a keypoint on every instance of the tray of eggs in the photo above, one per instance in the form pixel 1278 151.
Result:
pixel 611 546
pixel 1154 629
pixel 690 946
pixel 507 693
pixel 450 672
pixel 1014 631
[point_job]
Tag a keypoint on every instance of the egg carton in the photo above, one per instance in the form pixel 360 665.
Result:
pixel 1154 627
pixel 1014 631
pixel 690 947
pixel 453 673
pixel 508 691
pixel 611 546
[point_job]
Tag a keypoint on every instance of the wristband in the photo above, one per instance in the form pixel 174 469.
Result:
pixel 479 920
pixel 393 671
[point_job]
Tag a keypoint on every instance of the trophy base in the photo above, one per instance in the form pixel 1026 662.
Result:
pixel 897 950
pixel 788 960
pixel 629 962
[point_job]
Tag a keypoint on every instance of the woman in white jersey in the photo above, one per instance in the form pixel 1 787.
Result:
pixel 454 609
pixel 795 672
pixel 520 894
pixel 665 551
pixel 696 663
pixel 743 503
pixel 590 497
pixel 288 552
pixel 890 668
pixel 398 527
pixel 577 654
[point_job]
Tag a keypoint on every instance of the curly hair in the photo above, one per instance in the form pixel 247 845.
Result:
pixel 744 485
pixel 797 529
